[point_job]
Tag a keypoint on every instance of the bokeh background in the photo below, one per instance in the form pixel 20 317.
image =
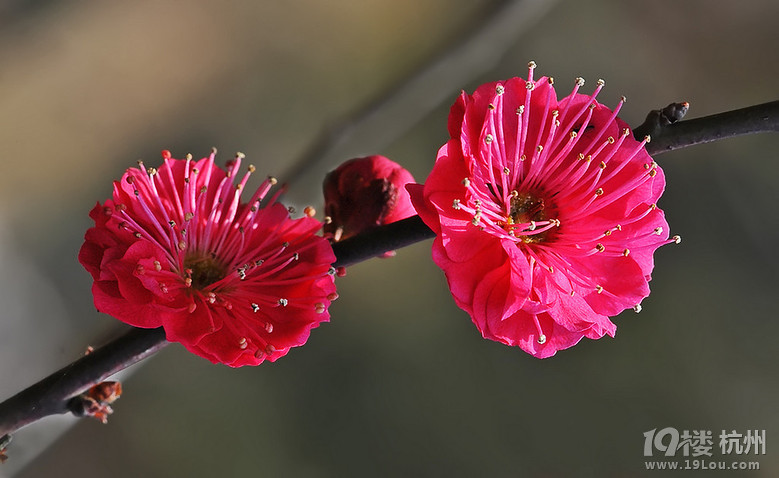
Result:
pixel 399 383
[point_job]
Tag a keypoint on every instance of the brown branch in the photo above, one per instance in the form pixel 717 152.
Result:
pixel 403 105
pixel 51 395
pixel 668 135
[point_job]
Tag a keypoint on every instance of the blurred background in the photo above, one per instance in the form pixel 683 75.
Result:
pixel 399 383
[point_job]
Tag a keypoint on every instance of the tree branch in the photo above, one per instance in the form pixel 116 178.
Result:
pixel 51 395
pixel 668 135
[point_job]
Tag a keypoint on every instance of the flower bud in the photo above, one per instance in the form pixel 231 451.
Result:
pixel 363 193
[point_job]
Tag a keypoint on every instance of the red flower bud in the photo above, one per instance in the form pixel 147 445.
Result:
pixel 363 193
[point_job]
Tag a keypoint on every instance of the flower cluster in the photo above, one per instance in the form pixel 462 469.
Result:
pixel 545 213
pixel 236 283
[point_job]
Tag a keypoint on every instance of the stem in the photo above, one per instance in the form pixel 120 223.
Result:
pixel 379 240
pixel 668 136
pixel 404 104
pixel 50 396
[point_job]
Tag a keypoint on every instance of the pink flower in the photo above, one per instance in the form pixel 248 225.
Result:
pixel 363 193
pixel 234 283
pixel 545 213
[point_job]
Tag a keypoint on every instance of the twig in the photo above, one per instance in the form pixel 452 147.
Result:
pixel 668 136
pixel 375 242
pixel 402 106
pixel 51 395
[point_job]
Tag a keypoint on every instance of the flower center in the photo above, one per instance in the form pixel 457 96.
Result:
pixel 526 211
pixel 204 271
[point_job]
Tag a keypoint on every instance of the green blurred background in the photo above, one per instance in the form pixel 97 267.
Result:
pixel 399 383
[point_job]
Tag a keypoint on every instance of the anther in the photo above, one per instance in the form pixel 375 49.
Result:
pixel 601 82
pixel 626 252
pixel 319 308
pixel 157 266
pixel 600 247
pixel 499 89
pixel 579 81
pixel 243 343
pixel 602 165
pixel 658 230
pixel 332 296
pixel 268 327
pixel 283 302
pixel 550 80
pixel 188 216
pixel 531 64
pixel 255 307
pixel 182 245
pixel 637 308
pixel 309 211
pixel 611 140
pixel 529 85
pixel 488 139
pixel 172 223
pixel 466 182
pixel 542 339
pixel 456 204
pixel 151 171
pixel 599 192
pixel 598 289
pixel 677 239
pixel 520 109
pixel 539 148
pixel 272 180
pixel 295 256
pixel 652 172
pixel 269 349
pixel 623 99
pixel 490 106
pixel 251 168
pixel 506 171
